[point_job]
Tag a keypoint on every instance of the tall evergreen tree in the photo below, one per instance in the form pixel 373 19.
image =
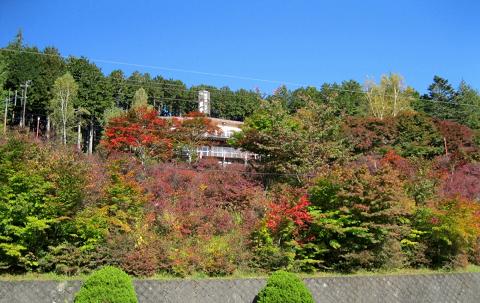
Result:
pixel 469 106
pixel 440 102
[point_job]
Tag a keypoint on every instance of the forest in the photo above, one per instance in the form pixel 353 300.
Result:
pixel 350 176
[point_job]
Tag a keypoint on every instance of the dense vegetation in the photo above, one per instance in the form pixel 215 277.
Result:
pixel 348 178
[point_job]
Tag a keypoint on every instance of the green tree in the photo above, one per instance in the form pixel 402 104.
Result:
pixel 303 96
pixel 441 100
pixel 94 94
pixel 65 91
pixel 29 63
pixel 3 78
pixel 347 98
pixel 118 87
pixel 40 189
pixel 360 217
pixel 292 144
pixel 228 104
pixel 468 100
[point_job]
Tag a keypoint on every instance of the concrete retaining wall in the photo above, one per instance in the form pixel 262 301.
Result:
pixel 461 287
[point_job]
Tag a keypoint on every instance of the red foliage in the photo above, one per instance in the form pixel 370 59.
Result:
pixel 141 262
pixel 139 130
pixel 401 164
pixel 459 138
pixel 368 133
pixel 193 129
pixel 204 205
pixel 464 182
pixel 204 201
pixel 195 114
pixel 282 212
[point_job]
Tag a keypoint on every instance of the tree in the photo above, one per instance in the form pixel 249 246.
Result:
pixel 40 190
pixel 65 91
pixel 358 217
pixel 94 94
pixel 458 139
pixel 463 182
pixel 140 99
pixel 468 100
pixel 411 134
pixel 141 131
pixel 303 96
pixel 29 63
pixel 118 87
pixel 192 132
pixel 347 98
pixel 292 144
pixel 276 136
pixel 388 98
pixel 441 100
pixel 3 78
pixel 228 104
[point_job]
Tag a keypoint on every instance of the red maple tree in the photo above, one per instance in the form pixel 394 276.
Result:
pixel 141 131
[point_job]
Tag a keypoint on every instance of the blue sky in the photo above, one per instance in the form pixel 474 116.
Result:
pixel 304 42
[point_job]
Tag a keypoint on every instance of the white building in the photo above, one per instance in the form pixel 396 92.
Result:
pixel 219 148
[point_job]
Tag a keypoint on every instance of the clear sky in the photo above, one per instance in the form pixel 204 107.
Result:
pixel 305 42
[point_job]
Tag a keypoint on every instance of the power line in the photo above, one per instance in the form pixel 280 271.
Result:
pixel 342 90
pixel 229 76
pixel 184 86
pixel 193 88
pixel 168 68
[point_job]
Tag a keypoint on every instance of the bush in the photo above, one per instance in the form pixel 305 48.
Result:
pixel 286 288
pixel 107 285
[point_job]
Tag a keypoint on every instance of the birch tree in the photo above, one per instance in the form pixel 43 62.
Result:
pixel 65 91
pixel 388 98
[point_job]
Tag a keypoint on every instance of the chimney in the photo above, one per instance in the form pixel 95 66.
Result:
pixel 204 102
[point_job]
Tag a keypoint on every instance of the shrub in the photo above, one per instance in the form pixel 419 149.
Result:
pixel 203 219
pixel 286 288
pixel 141 262
pixel 107 285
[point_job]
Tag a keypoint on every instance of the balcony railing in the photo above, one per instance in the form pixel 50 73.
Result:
pixel 225 153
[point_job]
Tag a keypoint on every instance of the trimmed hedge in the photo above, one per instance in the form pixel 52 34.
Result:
pixel 107 285
pixel 285 287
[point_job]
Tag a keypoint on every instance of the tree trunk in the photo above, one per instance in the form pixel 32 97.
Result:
pixel 79 136
pixel 90 139
pixel 64 132
pixel 48 128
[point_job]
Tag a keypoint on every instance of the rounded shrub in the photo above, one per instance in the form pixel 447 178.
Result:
pixel 107 285
pixel 285 287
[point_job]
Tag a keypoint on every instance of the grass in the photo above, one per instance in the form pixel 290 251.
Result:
pixel 41 277
pixel 246 275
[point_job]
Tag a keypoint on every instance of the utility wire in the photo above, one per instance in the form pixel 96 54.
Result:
pixel 168 69
pixel 233 76
pixel 341 90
